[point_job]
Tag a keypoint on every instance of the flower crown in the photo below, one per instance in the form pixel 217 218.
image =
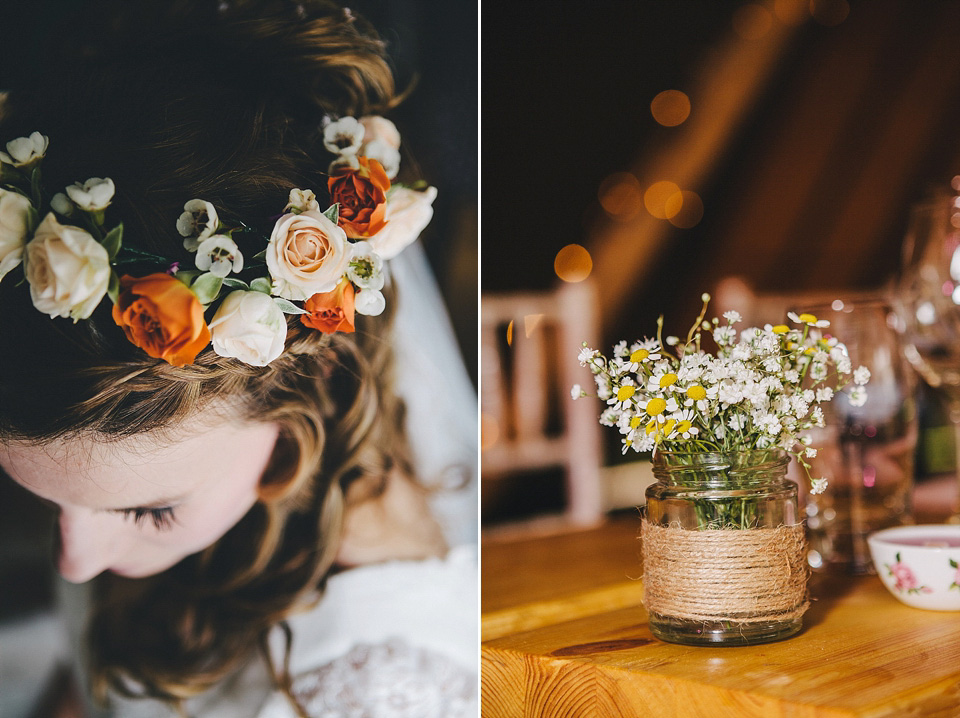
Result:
pixel 330 262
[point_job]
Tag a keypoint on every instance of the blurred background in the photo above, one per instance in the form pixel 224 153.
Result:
pixel 641 153
pixel 433 48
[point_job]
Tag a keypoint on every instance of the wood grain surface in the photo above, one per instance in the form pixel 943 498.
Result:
pixel 861 653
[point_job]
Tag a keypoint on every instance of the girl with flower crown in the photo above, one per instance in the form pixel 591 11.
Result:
pixel 217 349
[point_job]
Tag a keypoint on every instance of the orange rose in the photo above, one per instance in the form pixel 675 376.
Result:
pixel 331 311
pixel 362 194
pixel 162 316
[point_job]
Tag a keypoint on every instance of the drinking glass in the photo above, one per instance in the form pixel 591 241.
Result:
pixel 866 452
pixel 927 301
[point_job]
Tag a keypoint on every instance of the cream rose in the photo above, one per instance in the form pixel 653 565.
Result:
pixel 307 255
pixel 14 210
pixel 408 212
pixel 249 326
pixel 68 270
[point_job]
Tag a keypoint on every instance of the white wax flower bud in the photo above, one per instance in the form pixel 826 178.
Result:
pixel 93 195
pixel 198 221
pixel 344 136
pixel 61 204
pixel 370 302
pixel 25 151
pixel 219 255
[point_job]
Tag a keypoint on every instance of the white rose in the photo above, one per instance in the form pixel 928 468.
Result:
pixel 344 136
pixel 14 211
pixel 369 301
pixel 307 255
pixel 303 200
pixel 365 268
pixel 93 195
pixel 68 270
pixel 198 221
pixel 249 326
pixel 408 212
pixel 25 151
pixel 219 255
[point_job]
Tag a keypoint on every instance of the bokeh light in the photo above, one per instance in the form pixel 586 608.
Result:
pixel 791 12
pixel 489 431
pixel 621 196
pixel 670 108
pixel 510 333
pixel 829 12
pixel 573 263
pixel 656 196
pixel 752 21
pixel 684 209
pixel 530 324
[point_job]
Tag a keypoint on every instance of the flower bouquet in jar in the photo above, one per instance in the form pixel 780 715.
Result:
pixel 723 544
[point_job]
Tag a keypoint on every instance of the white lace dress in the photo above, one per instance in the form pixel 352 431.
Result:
pixel 399 639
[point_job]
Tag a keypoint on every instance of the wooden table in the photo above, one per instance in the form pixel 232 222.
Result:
pixel 565 636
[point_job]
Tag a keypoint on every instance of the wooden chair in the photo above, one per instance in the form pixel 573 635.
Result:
pixel 529 345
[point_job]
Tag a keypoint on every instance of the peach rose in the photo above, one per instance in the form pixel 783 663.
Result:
pixel 331 311
pixel 362 194
pixel 307 255
pixel 408 213
pixel 162 316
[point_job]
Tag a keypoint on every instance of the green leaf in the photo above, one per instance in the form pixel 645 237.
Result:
pixel 35 186
pixel 261 255
pixel 207 287
pixel 333 212
pixel 235 283
pixel 113 241
pixel 33 219
pixel 187 275
pixel 288 307
pixel 953 563
pixel 113 288
pixel 261 284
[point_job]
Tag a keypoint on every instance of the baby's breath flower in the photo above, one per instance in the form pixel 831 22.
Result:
pixel 732 316
pixel 818 486
pixel 858 396
pixel 861 375
pixel 576 392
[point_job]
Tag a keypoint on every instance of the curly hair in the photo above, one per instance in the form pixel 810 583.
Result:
pixel 183 99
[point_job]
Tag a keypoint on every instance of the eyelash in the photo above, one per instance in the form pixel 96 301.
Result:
pixel 163 518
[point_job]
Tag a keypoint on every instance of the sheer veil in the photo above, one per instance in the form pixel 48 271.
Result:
pixel 441 401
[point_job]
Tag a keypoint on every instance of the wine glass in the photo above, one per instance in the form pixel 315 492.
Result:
pixel 927 301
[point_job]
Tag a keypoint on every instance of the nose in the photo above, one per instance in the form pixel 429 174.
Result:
pixel 88 544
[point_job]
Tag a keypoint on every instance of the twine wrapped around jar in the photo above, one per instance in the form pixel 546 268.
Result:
pixel 741 576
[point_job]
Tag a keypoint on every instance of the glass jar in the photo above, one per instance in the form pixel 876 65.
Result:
pixel 724 553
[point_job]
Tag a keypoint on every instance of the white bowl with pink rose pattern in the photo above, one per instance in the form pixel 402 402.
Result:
pixel 920 565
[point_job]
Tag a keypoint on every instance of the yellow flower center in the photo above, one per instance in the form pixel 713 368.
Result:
pixel 635 422
pixel 639 355
pixel 668 427
pixel 625 392
pixel 696 392
pixel 668 380
pixel 656 406
pixel 651 426
pixel 781 329
pixel 684 426
pixel 807 318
